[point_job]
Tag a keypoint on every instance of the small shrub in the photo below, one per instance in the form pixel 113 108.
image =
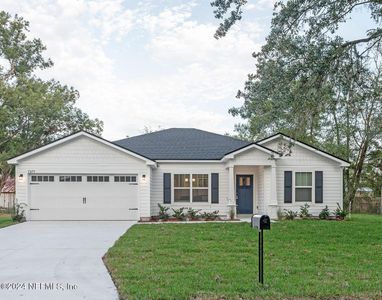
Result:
pixel 324 214
pixel 163 212
pixel 339 212
pixel 19 213
pixel 232 213
pixel 210 215
pixel 193 213
pixel 280 214
pixel 304 211
pixel 290 214
pixel 179 213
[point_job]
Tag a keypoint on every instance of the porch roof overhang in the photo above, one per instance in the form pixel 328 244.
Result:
pixel 231 155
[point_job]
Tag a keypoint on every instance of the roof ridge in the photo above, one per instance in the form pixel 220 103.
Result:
pixel 223 135
pixel 189 128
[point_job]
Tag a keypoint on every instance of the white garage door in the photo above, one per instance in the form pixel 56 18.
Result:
pixel 83 197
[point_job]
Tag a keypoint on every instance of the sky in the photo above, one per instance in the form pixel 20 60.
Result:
pixel 148 63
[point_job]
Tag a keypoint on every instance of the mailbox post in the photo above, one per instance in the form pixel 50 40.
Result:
pixel 261 222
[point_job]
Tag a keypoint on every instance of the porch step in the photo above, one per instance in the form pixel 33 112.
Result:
pixel 244 217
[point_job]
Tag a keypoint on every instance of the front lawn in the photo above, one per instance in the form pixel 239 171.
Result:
pixel 6 220
pixel 303 259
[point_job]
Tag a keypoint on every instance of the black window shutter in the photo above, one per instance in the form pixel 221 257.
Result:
pixel 215 188
pixel 167 188
pixel 319 187
pixel 287 186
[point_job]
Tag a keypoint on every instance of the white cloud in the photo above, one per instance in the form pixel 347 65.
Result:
pixel 189 78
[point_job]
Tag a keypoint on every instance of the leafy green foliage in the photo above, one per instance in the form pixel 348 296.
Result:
pixel 290 214
pixel 178 213
pixel 163 212
pixel 32 111
pixel 340 213
pixel 325 213
pixel 210 215
pixel 231 7
pixel 304 211
pixel 19 213
pixel 314 85
pixel 193 213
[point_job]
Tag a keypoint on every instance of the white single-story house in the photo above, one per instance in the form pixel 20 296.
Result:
pixel 85 177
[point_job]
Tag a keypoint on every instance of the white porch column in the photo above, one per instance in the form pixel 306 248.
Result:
pixel 231 201
pixel 231 186
pixel 272 204
pixel 273 200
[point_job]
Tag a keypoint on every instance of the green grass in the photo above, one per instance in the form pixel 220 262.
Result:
pixel 6 220
pixel 303 259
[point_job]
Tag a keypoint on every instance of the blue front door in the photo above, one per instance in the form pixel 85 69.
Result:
pixel 244 191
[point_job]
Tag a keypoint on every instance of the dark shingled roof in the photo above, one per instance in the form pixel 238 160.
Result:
pixel 182 144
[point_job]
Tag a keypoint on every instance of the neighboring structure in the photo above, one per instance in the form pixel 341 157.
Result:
pixel 85 177
pixel 364 192
pixel 7 196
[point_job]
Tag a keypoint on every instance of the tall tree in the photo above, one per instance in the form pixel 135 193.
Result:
pixel 32 111
pixel 312 83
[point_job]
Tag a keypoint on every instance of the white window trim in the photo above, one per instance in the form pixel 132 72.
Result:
pixel 295 187
pixel 173 188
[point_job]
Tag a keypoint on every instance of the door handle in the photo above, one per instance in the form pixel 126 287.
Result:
pixel 84 200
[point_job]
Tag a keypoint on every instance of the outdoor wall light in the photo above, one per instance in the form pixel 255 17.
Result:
pixel 143 179
pixel 21 178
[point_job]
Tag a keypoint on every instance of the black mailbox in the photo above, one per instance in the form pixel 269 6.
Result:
pixel 261 222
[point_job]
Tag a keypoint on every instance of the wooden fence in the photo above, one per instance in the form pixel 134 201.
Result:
pixel 369 205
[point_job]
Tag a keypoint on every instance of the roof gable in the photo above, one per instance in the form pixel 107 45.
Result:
pixel 15 160
pixel 304 145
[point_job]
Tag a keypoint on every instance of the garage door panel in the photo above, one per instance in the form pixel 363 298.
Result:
pixel 83 200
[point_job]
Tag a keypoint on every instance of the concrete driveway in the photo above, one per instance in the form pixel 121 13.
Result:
pixel 57 260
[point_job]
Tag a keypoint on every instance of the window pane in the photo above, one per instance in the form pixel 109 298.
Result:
pixel 89 178
pixel 34 178
pixel 46 178
pixel 79 178
pixel 106 178
pixel 128 178
pixel 182 195
pixel 100 178
pixel 303 178
pixel 304 194
pixel 200 195
pixel 39 178
pixel 51 178
pixel 95 178
pixel 62 178
pixel 133 178
pixel 67 178
pixel 72 178
pixel 181 180
pixel 122 178
pixel 200 180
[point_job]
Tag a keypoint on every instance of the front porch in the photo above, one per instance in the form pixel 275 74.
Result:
pixel 252 189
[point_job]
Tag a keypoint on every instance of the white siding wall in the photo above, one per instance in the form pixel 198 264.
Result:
pixel 252 157
pixel 85 156
pixel 188 168
pixel 304 160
